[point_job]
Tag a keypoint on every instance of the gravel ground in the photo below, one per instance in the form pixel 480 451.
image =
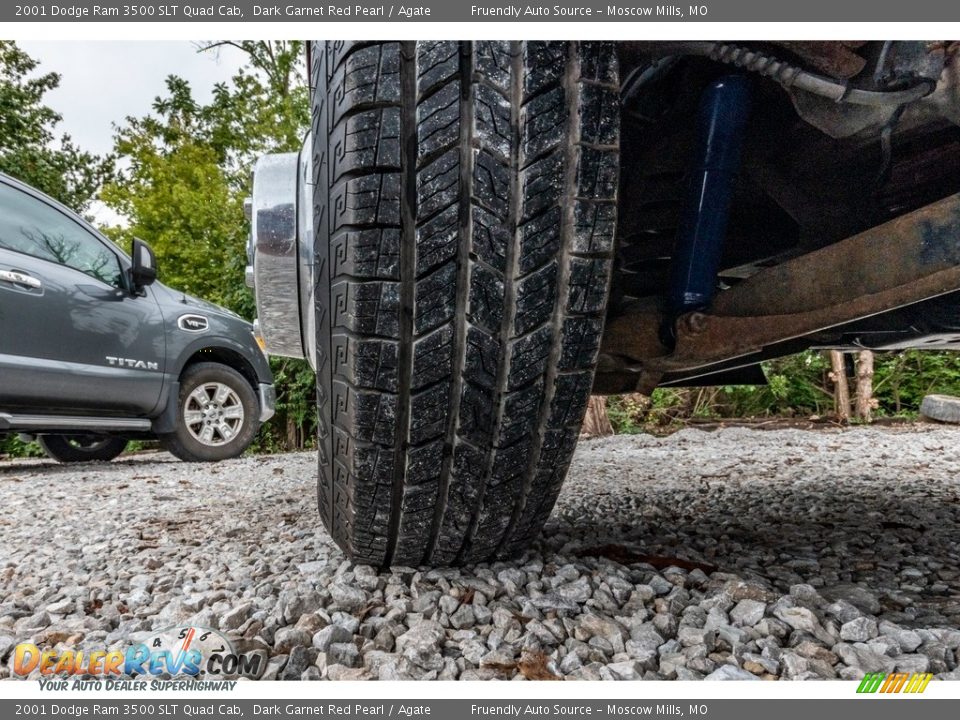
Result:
pixel 733 554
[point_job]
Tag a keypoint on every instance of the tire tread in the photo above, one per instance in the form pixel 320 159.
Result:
pixel 465 286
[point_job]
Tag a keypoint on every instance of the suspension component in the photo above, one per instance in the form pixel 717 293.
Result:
pixel 792 76
pixel 799 297
pixel 721 122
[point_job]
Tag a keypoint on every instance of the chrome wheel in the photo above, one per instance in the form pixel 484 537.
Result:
pixel 213 414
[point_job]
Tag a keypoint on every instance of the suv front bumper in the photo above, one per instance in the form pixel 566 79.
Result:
pixel 268 401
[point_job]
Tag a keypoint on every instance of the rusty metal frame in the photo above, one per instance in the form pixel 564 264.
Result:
pixel 912 258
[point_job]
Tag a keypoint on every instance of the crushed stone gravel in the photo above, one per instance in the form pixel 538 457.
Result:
pixel 734 554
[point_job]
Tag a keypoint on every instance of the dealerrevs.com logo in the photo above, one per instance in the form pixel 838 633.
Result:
pixel 188 651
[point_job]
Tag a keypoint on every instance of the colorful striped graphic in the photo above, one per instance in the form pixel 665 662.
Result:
pixel 894 682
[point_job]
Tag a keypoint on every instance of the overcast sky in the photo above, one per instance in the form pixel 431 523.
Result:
pixel 104 82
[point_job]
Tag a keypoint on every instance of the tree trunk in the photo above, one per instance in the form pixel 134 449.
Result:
pixel 293 436
pixel 596 423
pixel 841 391
pixel 865 401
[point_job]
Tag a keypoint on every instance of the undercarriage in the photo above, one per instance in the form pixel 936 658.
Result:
pixel 779 197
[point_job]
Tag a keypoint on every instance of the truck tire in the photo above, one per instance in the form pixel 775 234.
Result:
pixel 81 448
pixel 464 215
pixel 210 428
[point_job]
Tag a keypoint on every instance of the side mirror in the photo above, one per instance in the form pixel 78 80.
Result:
pixel 144 269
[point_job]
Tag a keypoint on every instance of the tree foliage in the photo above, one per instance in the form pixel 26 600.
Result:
pixel 30 149
pixel 188 169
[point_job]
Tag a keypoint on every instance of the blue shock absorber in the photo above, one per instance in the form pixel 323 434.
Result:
pixel 721 124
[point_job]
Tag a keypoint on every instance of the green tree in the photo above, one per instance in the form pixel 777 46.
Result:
pixel 180 201
pixel 186 172
pixel 188 168
pixel 29 147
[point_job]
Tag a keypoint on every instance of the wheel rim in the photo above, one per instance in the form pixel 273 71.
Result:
pixel 213 414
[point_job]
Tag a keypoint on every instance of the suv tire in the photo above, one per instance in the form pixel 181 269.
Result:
pixel 465 206
pixel 81 448
pixel 203 380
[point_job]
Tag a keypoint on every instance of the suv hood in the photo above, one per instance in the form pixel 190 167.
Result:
pixel 177 299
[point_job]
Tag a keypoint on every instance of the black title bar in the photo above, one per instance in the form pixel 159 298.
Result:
pixel 738 11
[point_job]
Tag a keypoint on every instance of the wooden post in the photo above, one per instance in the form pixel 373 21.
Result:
pixel 865 401
pixel 841 391
pixel 596 423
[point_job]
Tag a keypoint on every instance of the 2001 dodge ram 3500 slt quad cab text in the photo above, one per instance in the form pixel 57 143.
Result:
pixel 94 352
pixel 477 235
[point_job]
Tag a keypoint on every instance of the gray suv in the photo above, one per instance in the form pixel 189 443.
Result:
pixel 94 352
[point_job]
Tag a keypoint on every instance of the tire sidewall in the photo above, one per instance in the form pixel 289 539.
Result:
pixel 182 443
